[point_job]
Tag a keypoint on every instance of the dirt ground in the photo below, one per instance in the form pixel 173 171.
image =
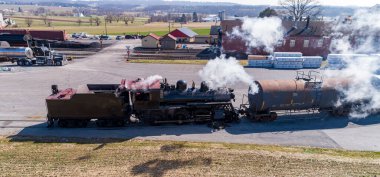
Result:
pixel 23 156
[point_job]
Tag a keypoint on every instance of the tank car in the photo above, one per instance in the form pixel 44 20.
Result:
pixel 149 101
pixel 302 93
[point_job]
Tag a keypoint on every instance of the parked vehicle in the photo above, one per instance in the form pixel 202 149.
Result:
pixel 27 56
pixel 119 38
pixel 105 37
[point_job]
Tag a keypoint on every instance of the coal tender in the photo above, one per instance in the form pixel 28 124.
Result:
pixel 149 101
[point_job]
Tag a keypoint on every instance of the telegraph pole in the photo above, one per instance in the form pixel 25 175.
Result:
pixel 105 25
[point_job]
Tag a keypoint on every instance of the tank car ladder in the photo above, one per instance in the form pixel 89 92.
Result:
pixel 314 81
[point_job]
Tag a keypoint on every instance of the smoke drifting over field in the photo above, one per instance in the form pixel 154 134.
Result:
pixel 226 72
pixel 361 70
pixel 260 32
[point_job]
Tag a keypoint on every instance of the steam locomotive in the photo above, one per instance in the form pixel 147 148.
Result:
pixel 152 101
pixel 148 101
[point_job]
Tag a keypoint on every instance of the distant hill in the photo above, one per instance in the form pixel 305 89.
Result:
pixel 175 6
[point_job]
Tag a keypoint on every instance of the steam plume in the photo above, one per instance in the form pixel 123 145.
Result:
pixel 358 36
pixel 260 32
pixel 223 72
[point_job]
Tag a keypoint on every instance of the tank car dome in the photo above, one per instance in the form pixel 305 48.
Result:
pixel 204 86
pixel 181 85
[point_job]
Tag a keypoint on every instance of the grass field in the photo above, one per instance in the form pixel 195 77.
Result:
pixel 22 156
pixel 114 28
pixel 195 62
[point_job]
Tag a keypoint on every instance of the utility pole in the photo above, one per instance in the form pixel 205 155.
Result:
pixel 169 25
pixel 105 25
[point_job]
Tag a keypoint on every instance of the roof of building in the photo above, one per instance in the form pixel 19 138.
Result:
pixel 169 36
pixel 153 36
pixel 214 30
pixel 301 28
pixel 183 32
pixel 315 28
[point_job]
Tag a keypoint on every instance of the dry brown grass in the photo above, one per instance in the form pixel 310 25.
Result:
pixel 78 157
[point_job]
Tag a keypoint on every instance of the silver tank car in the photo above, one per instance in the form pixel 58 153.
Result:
pixel 16 52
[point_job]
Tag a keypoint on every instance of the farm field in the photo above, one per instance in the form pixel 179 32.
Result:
pixel 109 157
pixel 139 26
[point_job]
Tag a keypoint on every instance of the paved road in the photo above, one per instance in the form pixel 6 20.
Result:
pixel 22 107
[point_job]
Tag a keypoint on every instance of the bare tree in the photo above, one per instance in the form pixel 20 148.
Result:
pixel 301 8
pixel 29 21
pixel 79 21
pixel 118 17
pixel 127 19
pixel 109 18
pixel 49 23
pixel 97 21
pixel 91 20
pixel 45 19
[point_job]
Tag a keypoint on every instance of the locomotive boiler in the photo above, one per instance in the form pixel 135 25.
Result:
pixel 149 101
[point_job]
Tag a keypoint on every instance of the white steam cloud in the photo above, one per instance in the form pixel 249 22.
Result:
pixel 260 32
pixel 145 83
pixel 358 35
pixel 223 72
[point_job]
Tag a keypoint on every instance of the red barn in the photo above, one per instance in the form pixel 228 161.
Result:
pixel 184 34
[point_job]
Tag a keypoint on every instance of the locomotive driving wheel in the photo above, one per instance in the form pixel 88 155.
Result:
pixel 181 116
pixel 154 117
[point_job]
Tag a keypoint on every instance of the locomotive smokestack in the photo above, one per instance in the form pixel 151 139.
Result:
pixel 54 89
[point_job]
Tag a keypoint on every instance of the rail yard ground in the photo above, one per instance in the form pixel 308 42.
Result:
pixel 170 149
pixel 21 156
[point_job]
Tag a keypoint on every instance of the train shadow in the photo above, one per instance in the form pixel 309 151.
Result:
pixel 301 123
pixel 39 133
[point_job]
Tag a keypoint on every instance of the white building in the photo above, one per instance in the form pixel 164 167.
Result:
pixel 151 41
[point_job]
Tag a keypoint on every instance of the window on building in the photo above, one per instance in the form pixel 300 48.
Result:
pixel 306 43
pixel 292 43
pixel 320 43
pixel 280 43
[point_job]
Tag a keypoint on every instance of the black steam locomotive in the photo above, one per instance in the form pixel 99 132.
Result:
pixel 149 101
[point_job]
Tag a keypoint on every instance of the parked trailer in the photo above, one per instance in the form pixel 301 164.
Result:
pixel 59 35
pixel 16 52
